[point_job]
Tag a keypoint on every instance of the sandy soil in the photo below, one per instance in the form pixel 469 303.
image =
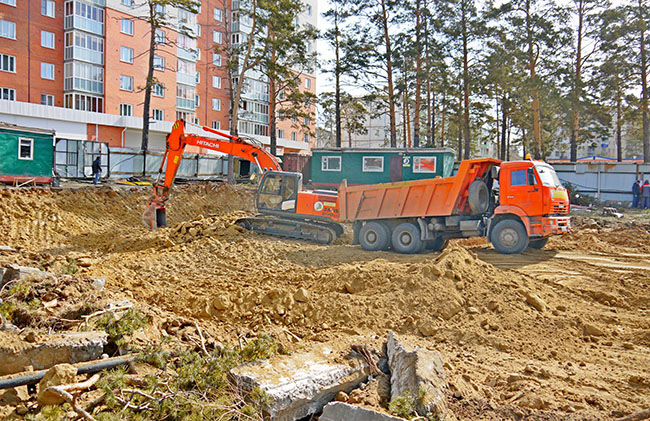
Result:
pixel 559 333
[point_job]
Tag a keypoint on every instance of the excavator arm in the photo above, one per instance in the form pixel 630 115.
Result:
pixel 177 140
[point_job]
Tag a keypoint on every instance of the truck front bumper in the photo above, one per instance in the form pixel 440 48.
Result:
pixel 556 225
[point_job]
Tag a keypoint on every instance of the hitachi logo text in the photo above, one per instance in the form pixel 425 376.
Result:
pixel 207 143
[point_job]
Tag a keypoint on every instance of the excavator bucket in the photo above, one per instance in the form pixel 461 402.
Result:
pixel 149 218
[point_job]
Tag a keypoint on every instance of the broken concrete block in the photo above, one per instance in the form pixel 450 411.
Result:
pixel 49 350
pixel 57 375
pixel 338 411
pixel 418 369
pixel 7 249
pixel 13 272
pixel 301 384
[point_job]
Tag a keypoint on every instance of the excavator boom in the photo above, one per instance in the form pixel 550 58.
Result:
pixel 177 140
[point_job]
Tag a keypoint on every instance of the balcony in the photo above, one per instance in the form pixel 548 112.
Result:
pixel 186 79
pixel 77 53
pixel 88 25
pixel 185 104
pixel 187 54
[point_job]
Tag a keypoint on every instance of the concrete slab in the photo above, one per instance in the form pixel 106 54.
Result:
pixel 414 369
pixel 339 411
pixel 303 383
pixel 49 350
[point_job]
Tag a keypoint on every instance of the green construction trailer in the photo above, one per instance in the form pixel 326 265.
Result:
pixel 26 154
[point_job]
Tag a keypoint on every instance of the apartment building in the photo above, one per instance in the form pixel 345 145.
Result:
pixel 91 56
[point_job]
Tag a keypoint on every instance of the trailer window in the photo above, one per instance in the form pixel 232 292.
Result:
pixel 373 164
pixel 26 149
pixel 331 163
pixel 424 164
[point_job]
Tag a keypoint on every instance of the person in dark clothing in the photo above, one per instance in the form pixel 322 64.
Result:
pixel 97 169
pixel 645 194
pixel 636 193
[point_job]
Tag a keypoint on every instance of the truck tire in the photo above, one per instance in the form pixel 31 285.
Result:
pixel 509 237
pixel 374 236
pixel 537 243
pixel 438 244
pixel 406 238
pixel 478 197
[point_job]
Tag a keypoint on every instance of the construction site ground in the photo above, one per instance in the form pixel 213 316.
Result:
pixel 559 333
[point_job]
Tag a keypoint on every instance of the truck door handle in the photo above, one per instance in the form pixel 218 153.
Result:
pixel 533 190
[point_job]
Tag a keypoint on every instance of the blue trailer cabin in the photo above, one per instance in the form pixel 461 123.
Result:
pixel 330 166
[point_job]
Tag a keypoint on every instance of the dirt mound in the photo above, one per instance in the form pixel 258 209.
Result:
pixel 605 236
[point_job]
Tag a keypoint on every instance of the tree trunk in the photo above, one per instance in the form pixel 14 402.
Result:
pixel 418 78
pixel 432 124
pixel 442 120
pixel 619 146
pixel 466 132
pixel 147 89
pixel 504 127
pixel 575 118
pixel 460 126
pixel 337 77
pixel 534 92
pixel 272 119
pixel 389 75
pixel 644 88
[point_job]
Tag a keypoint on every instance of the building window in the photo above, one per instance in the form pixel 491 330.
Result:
pixel 216 59
pixel 47 39
pixel 307 83
pixel 126 26
pixel 217 37
pixel 280 133
pixel 197 78
pixel 7 63
pixel 218 14
pixel 126 83
pixel 25 149
pixel 197 100
pixel 307 121
pixel 198 30
pixel 128 3
pixel 159 9
pixel 47 99
pixel 216 82
pixel 47 8
pixel 126 54
pixel 158 89
pixel 373 164
pixel 306 138
pixel 308 9
pixel 216 125
pixel 425 164
pixel 84 102
pixel 294 136
pixel 158 115
pixel 8 94
pixel 330 163
pixel 9 2
pixel 7 29
pixel 160 36
pixel 47 71
pixel 159 63
pixel 126 110
pixel 216 104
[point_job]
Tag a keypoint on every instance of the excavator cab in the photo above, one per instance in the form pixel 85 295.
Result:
pixel 278 191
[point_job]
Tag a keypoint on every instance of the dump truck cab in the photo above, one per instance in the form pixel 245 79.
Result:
pixel 530 197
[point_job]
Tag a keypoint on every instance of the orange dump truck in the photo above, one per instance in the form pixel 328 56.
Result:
pixel 528 206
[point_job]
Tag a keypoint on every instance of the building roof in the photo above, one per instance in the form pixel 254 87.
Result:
pixel 25 129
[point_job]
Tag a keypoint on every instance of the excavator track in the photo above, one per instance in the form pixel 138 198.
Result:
pixel 320 233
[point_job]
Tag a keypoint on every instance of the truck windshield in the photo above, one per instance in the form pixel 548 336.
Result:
pixel 548 176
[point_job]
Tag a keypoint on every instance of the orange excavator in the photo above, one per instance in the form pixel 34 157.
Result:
pixel 284 208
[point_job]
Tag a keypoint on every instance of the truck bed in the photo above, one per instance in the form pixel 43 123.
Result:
pixel 412 199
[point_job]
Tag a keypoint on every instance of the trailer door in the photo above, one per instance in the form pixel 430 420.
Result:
pixel 395 171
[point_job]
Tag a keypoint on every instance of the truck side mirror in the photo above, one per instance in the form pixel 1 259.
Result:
pixel 531 177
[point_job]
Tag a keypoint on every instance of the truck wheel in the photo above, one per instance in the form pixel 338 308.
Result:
pixel 374 236
pixel 509 237
pixel 438 244
pixel 478 197
pixel 538 243
pixel 406 238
